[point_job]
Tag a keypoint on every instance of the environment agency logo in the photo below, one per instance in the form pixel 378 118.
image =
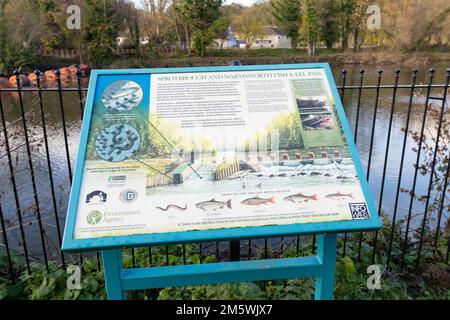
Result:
pixel 94 217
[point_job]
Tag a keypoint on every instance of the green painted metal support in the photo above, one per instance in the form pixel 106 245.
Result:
pixel 322 266
pixel 326 254
pixel 113 269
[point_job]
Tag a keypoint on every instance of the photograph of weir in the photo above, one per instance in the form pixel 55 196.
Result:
pixel 258 164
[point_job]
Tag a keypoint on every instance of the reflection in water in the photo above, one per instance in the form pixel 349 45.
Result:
pixel 72 117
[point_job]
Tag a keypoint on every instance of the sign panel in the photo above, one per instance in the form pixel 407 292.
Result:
pixel 185 154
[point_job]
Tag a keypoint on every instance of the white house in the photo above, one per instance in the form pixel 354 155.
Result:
pixel 273 37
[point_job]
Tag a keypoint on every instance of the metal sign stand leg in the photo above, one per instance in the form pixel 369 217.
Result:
pixel 113 268
pixel 326 254
pixel 322 266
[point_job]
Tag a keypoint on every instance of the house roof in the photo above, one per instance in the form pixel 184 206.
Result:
pixel 274 31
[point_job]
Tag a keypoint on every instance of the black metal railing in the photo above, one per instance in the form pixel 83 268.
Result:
pixel 351 95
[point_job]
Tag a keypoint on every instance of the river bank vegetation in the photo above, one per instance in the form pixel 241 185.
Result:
pixel 430 281
pixel 185 32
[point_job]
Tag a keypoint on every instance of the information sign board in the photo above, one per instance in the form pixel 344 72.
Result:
pixel 198 154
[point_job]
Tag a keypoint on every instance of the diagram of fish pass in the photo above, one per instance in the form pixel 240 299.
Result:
pixel 171 152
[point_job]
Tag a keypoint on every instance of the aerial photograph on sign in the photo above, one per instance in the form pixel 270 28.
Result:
pixel 212 150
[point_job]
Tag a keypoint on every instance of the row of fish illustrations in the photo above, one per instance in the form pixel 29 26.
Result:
pixel 313 173
pixel 213 204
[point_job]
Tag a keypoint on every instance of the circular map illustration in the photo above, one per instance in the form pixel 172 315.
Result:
pixel 117 142
pixel 122 95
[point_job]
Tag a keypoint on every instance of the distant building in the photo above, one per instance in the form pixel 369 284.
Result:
pixel 273 37
pixel 124 40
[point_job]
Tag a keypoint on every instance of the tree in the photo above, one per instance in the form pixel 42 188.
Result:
pixel 15 51
pixel 309 27
pixel 328 21
pixel 100 32
pixel 287 14
pixel 157 22
pixel 346 8
pixel 222 30
pixel 358 23
pixel 199 19
pixel 248 29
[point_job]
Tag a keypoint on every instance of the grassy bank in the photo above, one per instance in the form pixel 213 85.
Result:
pixel 216 57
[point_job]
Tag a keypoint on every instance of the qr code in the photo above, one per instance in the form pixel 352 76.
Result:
pixel 359 211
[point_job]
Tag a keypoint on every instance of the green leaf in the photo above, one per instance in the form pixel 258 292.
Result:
pixel 349 266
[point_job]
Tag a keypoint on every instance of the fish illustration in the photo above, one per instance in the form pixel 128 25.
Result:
pixel 173 206
pixel 257 201
pixel 315 173
pixel 339 196
pixel 121 93
pixel 300 197
pixel 213 205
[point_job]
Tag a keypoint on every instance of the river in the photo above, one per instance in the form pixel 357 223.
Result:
pixel 60 168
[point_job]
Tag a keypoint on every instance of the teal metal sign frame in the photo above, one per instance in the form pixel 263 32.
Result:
pixel 120 280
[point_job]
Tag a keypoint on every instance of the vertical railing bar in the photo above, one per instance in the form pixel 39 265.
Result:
pixel 30 165
pixel 358 107
pixel 413 190
pixel 265 248
pixel 433 167
pixel 446 180
pixel 167 255
pixel 14 185
pixel 133 257
pixel 372 137
pixel 358 110
pixel 49 165
pixel 314 244
pixel 217 251
pixel 249 249
pixel 386 157
pixel 297 249
pixel 150 260
pixel 63 119
pixel 282 245
pixel 200 249
pixel 402 160
pixel 344 78
pixel 99 263
pixel 184 253
pixel 8 253
pixel 66 143
pixel 80 92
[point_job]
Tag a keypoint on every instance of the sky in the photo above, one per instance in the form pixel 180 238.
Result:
pixel 243 2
